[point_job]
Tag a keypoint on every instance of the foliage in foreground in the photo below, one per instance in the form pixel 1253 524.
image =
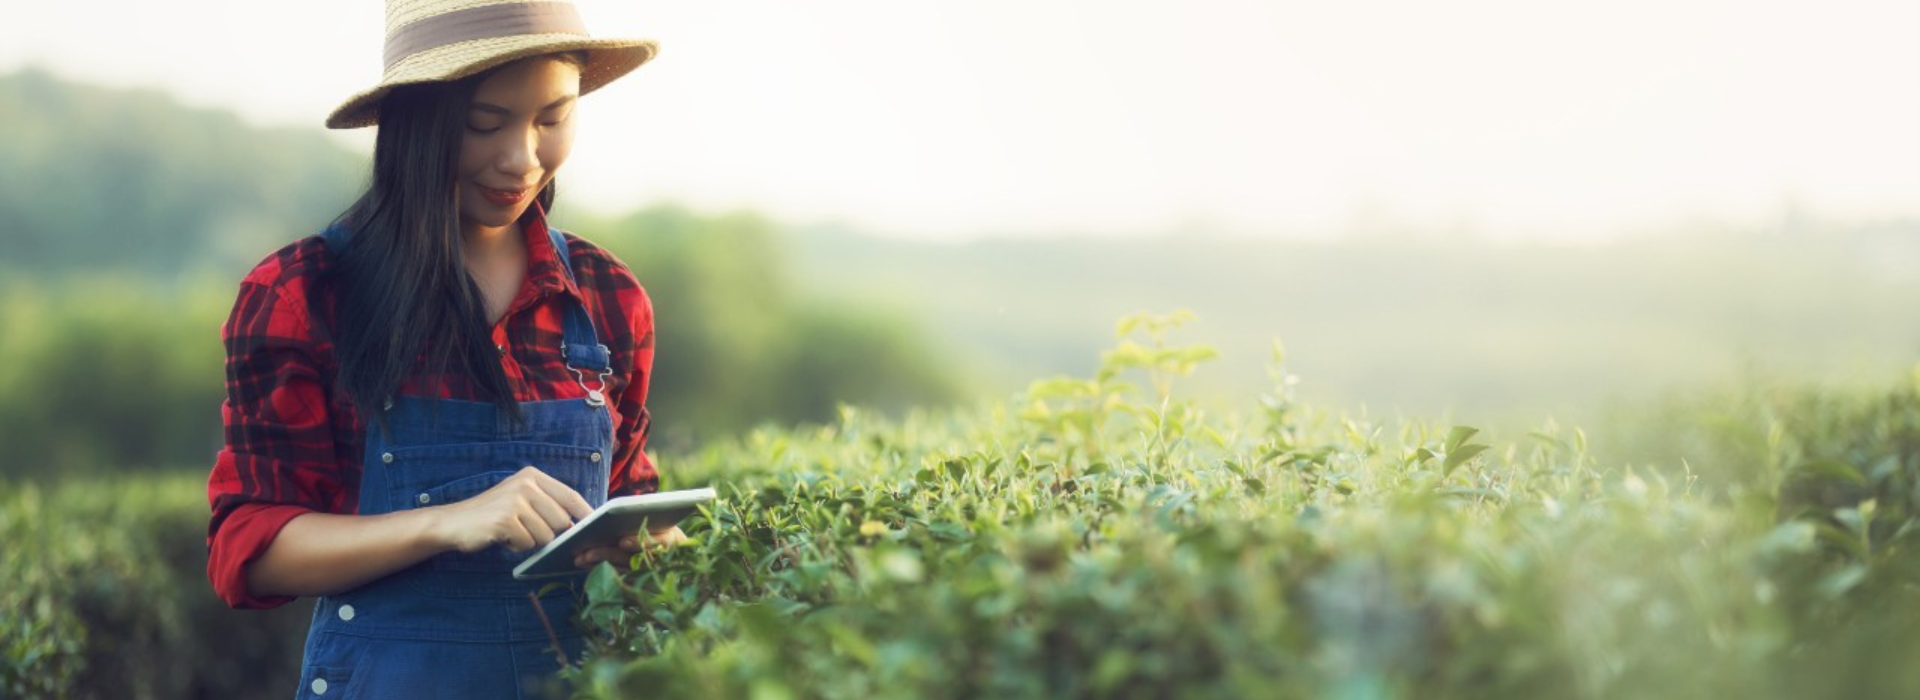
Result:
pixel 103 594
pixel 1101 542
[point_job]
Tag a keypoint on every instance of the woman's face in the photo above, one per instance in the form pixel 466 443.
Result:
pixel 519 131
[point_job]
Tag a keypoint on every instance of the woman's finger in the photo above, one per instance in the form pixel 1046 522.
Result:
pixel 666 538
pixel 620 559
pixel 517 537
pixel 536 527
pixel 550 512
pixel 571 501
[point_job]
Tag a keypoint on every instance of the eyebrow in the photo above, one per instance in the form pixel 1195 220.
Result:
pixel 497 109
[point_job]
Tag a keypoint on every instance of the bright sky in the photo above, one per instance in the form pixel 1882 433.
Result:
pixel 1532 117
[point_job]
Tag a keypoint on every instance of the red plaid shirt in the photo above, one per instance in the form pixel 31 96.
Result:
pixel 294 441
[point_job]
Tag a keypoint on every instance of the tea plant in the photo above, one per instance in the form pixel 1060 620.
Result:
pixel 1106 543
pixel 1141 548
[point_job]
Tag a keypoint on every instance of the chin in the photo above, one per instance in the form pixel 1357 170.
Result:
pixel 492 218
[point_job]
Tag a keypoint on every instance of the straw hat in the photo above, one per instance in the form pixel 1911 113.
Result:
pixel 435 40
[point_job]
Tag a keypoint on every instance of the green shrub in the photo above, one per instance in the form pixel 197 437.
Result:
pixel 1103 538
pixel 740 347
pixel 103 375
pixel 1114 545
pixel 104 590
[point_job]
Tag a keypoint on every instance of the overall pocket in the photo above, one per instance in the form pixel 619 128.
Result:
pixel 327 670
pixel 494 558
pixel 438 475
pixel 327 682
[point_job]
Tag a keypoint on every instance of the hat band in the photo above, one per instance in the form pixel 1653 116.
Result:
pixel 485 22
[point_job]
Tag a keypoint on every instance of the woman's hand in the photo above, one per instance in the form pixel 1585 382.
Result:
pixel 525 511
pixel 621 556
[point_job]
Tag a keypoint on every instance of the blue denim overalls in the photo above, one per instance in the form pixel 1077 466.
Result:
pixel 459 625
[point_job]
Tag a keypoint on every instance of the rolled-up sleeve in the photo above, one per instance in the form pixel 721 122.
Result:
pixel 278 461
pixel 632 471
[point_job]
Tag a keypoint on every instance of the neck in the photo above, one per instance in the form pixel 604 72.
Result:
pixel 484 242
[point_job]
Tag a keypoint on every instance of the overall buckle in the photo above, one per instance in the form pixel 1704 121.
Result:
pixel 595 397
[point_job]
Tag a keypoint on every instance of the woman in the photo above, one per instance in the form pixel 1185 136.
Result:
pixel 438 383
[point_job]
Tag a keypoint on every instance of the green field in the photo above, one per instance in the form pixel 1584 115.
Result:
pixel 1097 538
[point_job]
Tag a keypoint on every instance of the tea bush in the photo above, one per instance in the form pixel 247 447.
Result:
pixel 1098 541
pixel 103 594
pixel 1101 537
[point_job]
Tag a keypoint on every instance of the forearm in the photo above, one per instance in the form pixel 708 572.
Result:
pixel 324 553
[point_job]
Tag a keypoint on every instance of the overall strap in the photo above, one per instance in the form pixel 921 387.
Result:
pixel 578 342
pixel 337 237
pixel 581 344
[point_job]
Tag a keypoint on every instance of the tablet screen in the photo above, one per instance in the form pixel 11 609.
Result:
pixel 605 526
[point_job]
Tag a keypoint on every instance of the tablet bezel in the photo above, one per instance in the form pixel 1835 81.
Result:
pixel 615 519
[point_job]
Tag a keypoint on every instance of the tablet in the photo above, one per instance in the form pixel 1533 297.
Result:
pixel 604 527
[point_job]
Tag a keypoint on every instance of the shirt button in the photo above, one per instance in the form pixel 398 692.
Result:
pixel 425 499
pixel 386 458
pixel 595 457
pixel 346 613
pixel 319 686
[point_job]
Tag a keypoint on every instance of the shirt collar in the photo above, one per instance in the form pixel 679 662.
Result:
pixel 544 271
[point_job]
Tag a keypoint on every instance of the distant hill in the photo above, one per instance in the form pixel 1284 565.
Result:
pixel 1490 329
pixel 768 320
pixel 94 178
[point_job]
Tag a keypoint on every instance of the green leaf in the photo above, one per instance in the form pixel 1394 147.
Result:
pixel 603 585
pixel 1836 584
pixel 1830 468
pixel 770 689
pixel 1059 388
pixel 1127 355
pixel 1196 353
pixel 1111 670
pixel 1791 537
pixel 1460 455
pixel 1841 538
pixel 1548 440
pixel 850 642
pixel 1459 436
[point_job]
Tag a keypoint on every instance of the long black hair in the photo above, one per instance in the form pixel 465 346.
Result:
pixel 404 304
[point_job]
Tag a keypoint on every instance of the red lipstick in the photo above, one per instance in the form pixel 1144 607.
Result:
pixel 503 197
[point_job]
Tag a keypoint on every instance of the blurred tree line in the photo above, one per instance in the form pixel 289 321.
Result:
pixel 738 345
pixel 127 220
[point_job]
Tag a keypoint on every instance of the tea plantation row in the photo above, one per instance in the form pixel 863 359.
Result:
pixel 1097 542
pixel 1093 540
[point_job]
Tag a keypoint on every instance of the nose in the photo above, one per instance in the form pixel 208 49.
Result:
pixel 519 156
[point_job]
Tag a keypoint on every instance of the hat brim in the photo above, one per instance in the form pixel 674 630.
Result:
pixel 607 59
